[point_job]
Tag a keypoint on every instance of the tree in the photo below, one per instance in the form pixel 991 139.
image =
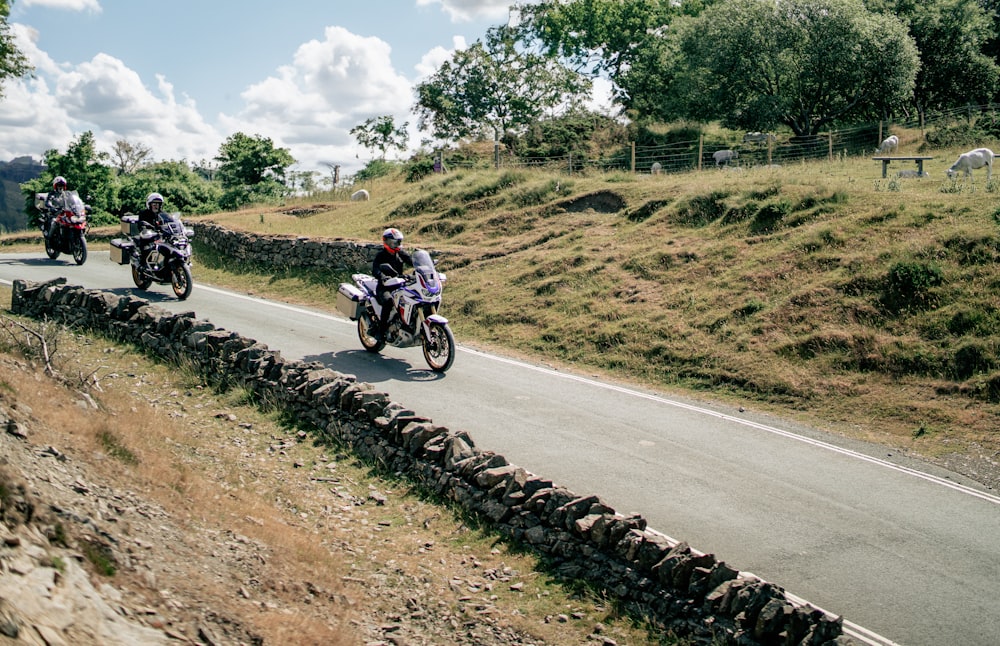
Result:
pixel 182 188
pixel 953 37
pixel 13 63
pixel 492 87
pixel 612 38
pixel 803 63
pixel 251 169
pixel 381 133
pixel 127 157
pixel 84 170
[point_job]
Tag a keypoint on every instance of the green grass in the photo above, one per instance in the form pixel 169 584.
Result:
pixel 810 290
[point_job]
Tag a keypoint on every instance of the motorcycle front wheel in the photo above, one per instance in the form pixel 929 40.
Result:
pixel 79 249
pixel 180 280
pixel 140 279
pixel 368 341
pixel 439 347
pixel 50 249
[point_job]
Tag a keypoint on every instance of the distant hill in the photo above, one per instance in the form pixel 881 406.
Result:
pixel 12 174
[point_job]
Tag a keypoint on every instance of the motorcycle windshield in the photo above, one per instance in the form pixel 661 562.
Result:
pixel 424 268
pixel 171 225
pixel 73 204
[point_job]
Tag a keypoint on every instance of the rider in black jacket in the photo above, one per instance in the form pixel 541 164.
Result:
pixel 150 215
pixel 392 254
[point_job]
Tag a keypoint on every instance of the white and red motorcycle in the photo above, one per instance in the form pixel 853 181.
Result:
pixel 416 298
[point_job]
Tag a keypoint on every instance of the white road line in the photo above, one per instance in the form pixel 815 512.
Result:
pixel 851 629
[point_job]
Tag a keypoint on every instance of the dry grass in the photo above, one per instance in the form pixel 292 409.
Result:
pixel 223 467
pixel 762 286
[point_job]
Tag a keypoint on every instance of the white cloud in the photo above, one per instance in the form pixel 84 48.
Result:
pixel 469 10
pixel 104 96
pixel 431 62
pixel 70 5
pixel 310 105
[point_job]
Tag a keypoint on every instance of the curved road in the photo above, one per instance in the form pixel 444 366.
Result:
pixel 907 551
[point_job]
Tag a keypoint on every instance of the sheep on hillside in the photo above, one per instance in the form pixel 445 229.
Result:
pixel 724 157
pixel 970 161
pixel 360 196
pixel 889 145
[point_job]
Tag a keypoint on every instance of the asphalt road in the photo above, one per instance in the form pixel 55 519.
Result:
pixel 907 551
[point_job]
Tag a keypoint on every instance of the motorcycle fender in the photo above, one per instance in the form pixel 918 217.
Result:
pixel 437 318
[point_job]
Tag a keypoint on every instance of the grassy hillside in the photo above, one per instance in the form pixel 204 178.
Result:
pixel 862 305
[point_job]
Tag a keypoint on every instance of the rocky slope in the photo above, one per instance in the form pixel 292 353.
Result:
pixel 96 551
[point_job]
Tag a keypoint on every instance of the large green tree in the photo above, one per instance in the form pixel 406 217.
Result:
pixel 494 86
pixel 381 133
pixel 953 37
pixel 620 40
pixel 251 169
pixel 806 64
pixel 13 63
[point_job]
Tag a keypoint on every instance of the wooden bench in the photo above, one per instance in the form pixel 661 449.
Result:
pixel 914 158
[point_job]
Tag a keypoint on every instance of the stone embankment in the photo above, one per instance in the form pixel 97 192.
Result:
pixel 286 251
pixel 692 594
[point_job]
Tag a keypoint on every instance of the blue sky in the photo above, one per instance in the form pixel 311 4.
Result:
pixel 179 76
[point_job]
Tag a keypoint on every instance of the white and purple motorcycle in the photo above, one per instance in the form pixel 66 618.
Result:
pixel 416 298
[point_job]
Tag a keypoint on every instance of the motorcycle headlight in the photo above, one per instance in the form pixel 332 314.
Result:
pixel 77 219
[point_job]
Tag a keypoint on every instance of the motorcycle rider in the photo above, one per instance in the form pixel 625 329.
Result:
pixel 55 202
pixel 391 254
pixel 150 215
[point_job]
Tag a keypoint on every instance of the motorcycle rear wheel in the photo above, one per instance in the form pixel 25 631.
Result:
pixel 50 249
pixel 79 248
pixel 140 279
pixel 439 347
pixel 368 340
pixel 180 280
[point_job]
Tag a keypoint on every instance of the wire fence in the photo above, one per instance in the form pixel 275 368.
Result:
pixel 763 150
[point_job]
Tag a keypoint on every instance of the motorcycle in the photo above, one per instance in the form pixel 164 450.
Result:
pixel 415 298
pixel 157 254
pixel 70 234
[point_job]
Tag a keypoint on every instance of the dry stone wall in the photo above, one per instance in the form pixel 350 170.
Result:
pixel 285 251
pixel 692 594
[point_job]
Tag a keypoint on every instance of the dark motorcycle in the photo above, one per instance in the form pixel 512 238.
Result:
pixel 72 225
pixel 158 254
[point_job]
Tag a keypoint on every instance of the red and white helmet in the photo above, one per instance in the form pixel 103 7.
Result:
pixel 58 182
pixel 392 240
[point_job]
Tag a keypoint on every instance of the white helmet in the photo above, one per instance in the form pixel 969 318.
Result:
pixel 154 197
pixel 392 239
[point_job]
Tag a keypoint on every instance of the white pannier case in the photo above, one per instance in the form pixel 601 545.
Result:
pixel 349 300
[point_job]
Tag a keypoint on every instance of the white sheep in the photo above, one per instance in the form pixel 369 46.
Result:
pixel 912 174
pixel 724 157
pixel 889 145
pixel 758 138
pixel 360 196
pixel 970 161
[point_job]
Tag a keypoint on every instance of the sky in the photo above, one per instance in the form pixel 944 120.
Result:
pixel 180 76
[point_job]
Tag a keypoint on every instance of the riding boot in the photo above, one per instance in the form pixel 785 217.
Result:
pixel 383 324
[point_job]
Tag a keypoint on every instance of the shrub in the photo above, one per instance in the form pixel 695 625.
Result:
pixel 908 286
pixel 770 216
pixel 418 169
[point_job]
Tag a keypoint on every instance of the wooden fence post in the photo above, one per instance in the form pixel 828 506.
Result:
pixel 633 157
